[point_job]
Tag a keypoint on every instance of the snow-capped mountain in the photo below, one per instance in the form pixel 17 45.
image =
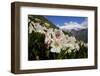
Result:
pixel 77 30
pixel 72 26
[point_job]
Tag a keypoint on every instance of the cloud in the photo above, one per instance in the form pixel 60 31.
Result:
pixel 58 25
pixel 74 25
pixel 71 23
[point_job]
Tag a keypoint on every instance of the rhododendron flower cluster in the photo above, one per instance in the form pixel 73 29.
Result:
pixel 55 39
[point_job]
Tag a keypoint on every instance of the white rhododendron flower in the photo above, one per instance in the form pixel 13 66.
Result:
pixel 85 44
pixel 48 35
pixel 73 38
pixel 56 50
pixel 69 51
pixel 38 20
pixel 39 28
pixel 47 38
pixel 56 46
pixel 77 46
pixel 82 43
pixel 71 46
pixel 64 47
pixel 58 34
pixel 64 40
pixel 33 23
pixel 50 32
pixel 31 28
pixel 47 25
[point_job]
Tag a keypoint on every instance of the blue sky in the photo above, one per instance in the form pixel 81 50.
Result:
pixel 60 20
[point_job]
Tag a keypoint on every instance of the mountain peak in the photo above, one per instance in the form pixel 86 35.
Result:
pixel 72 25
